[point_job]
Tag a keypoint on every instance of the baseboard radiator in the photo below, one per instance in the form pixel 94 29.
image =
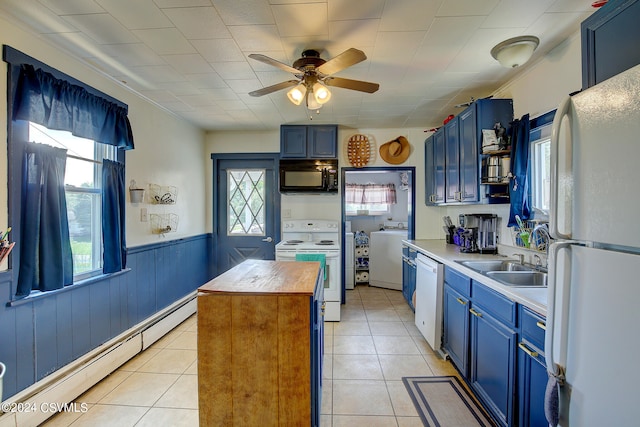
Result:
pixel 67 383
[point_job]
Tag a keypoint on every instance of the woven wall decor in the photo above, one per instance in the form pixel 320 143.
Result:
pixel 359 150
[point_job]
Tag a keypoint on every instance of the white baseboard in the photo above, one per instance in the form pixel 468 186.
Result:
pixel 69 382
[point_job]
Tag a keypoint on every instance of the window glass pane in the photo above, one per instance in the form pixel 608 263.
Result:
pixel 245 207
pixel 541 174
pixel 83 186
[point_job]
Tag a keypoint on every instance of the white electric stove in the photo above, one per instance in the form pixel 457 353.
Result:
pixel 316 237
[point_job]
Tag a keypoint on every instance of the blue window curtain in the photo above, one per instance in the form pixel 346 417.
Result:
pixel 46 262
pixel 58 104
pixel 113 216
pixel 519 185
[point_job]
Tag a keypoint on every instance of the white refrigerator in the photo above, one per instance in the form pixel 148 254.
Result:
pixel 593 321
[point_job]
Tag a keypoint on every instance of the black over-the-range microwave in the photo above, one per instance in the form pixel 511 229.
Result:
pixel 309 176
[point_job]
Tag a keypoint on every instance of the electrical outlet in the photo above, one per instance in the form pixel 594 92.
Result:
pixel 143 215
pixel 286 213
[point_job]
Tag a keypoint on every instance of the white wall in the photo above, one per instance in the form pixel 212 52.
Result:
pixel 168 150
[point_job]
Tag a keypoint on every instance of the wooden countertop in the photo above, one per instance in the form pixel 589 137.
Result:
pixel 255 277
pixel 439 250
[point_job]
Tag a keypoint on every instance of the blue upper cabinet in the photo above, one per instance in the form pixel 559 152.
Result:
pixel 610 41
pixel 308 142
pixel 461 139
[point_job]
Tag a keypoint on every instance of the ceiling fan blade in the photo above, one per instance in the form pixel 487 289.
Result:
pixel 273 62
pixel 352 84
pixel 346 59
pixel 274 88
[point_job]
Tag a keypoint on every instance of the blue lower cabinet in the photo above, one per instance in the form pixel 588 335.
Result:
pixel 409 274
pixel 455 337
pixel 532 383
pixel 492 374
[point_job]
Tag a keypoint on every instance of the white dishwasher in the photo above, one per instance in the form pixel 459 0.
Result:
pixel 429 297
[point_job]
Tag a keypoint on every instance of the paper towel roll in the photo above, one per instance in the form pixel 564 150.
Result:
pixel 365 251
pixel 358 252
pixel 358 277
pixel 364 276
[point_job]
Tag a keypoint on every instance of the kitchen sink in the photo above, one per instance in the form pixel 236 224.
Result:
pixel 495 265
pixel 519 278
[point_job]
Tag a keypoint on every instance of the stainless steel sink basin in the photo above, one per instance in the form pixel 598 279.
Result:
pixel 519 278
pixel 495 265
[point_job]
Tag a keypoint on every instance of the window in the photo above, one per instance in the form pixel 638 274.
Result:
pixel 541 170
pixel 245 207
pixel 369 199
pixel 83 182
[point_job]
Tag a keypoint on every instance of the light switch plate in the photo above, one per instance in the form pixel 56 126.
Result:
pixel 143 215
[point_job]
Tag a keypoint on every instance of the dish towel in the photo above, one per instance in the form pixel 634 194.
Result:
pixel 552 401
pixel 322 258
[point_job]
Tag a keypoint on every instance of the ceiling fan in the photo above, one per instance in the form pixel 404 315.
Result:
pixel 314 74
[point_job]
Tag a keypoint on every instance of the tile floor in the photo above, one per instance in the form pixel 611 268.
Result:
pixel 366 355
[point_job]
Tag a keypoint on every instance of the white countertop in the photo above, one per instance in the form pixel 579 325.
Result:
pixel 439 250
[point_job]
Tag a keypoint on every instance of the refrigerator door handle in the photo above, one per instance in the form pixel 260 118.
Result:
pixel 554 200
pixel 552 325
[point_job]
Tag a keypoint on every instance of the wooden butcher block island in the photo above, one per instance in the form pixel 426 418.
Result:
pixel 260 345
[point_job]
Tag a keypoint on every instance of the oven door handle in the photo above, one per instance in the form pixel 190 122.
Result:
pixel 268 239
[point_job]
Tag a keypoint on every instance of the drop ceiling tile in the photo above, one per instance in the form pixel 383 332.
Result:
pixel 244 86
pixel 229 105
pixel 198 22
pixel 397 45
pixel 256 38
pixel 294 20
pixel 102 27
pixel 572 6
pixel 206 80
pixel 72 7
pixel 219 50
pixel 222 94
pixel 160 96
pixel 234 70
pixel 197 101
pixel 354 33
pixel 165 41
pixel 510 13
pixel 342 10
pixel 476 53
pixel 192 63
pixel 133 54
pixel 179 88
pixel 236 12
pixel 136 14
pixel 158 73
pixel 411 15
pixel 181 3
pixel 468 7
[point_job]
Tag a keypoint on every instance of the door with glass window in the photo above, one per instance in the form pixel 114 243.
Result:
pixel 246 208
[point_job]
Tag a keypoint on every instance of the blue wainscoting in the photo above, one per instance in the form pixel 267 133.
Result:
pixel 43 334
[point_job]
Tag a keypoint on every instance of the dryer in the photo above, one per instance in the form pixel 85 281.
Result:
pixel 385 258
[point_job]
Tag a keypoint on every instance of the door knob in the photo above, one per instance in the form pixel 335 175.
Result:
pixel 268 239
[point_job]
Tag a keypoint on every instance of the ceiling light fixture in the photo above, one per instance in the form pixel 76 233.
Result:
pixel 321 93
pixel 297 94
pixel 312 102
pixel 516 51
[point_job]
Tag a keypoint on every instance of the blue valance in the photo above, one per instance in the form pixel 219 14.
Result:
pixel 57 104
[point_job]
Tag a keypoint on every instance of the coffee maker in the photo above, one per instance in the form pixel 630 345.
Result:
pixel 478 233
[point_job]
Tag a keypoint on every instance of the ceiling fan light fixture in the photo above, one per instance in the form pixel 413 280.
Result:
pixel 312 103
pixel 516 51
pixel 297 94
pixel 321 93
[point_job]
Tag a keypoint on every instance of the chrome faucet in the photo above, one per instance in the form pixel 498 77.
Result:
pixel 538 262
pixel 520 258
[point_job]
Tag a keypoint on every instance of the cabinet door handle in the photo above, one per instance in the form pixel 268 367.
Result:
pixel 475 313
pixel 322 308
pixel 541 325
pixel 461 301
pixel 527 350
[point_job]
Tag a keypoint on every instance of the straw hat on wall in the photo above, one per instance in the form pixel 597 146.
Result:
pixel 395 151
